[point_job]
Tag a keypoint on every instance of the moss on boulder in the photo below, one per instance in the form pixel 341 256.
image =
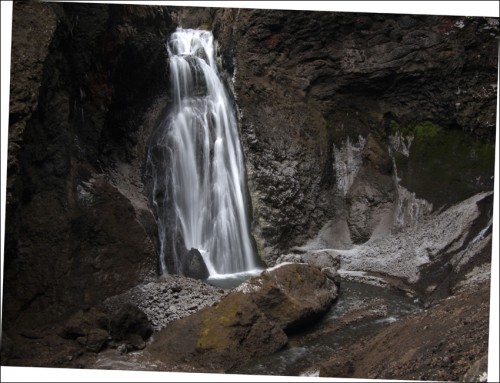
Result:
pixel 251 321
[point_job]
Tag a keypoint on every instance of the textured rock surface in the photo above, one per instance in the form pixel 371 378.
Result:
pixel 317 258
pixel 171 298
pixel 371 197
pixel 129 321
pixel 218 337
pixel 312 86
pixel 35 24
pixel 328 261
pixel 291 295
pixel 450 336
pixel 92 337
pixel 79 226
pixel 82 322
pixel 360 131
pixel 438 255
pixel 194 265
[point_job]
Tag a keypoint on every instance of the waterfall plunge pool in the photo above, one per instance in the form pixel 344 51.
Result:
pixel 230 281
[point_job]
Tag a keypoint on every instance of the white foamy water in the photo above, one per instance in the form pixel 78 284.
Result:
pixel 204 182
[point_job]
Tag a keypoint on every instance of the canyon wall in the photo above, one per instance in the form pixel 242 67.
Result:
pixel 89 82
pixel 353 126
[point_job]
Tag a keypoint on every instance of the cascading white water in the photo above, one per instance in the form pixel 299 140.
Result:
pixel 206 174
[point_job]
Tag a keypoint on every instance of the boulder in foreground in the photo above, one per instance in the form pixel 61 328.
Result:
pixel 291 295
pixel 249 322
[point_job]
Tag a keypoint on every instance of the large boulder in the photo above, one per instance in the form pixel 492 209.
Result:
pixel 251 321
pixel 327 260
pixel 219 337
pixel 90 329
pixel 194 266
pixel 128 322
pixel 291 295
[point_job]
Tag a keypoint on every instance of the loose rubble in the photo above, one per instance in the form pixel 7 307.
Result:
pixel 170 298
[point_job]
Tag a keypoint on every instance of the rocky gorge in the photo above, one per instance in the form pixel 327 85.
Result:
pixel 368 145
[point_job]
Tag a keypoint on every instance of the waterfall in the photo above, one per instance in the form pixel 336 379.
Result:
pixel 199 192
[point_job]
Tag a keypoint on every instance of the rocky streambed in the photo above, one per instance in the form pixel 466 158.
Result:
pixel 437 323
pixel 318 312
pixel 362 330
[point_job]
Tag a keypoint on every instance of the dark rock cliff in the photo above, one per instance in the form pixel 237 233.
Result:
pixel 88 82
pixel 334 110
pixel 323 96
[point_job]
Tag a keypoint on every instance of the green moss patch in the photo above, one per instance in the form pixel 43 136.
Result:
pixel 426 131
pixel 223 315
pixel 444 166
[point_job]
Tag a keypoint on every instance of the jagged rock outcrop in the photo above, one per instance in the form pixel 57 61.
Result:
pixel 316 90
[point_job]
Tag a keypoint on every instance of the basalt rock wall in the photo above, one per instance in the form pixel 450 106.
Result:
pixel 346 118
pixel 89 82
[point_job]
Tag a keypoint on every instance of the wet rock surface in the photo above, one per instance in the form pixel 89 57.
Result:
pixel 194 265
pixel 291 295
pixel 372 140
pixel 359 310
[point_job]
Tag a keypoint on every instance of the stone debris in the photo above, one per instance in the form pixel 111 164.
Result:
pixel 171 297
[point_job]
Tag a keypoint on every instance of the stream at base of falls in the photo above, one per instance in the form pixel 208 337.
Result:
pixel 359 310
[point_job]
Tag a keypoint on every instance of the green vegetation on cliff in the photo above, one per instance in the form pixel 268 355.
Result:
pixel 444 166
